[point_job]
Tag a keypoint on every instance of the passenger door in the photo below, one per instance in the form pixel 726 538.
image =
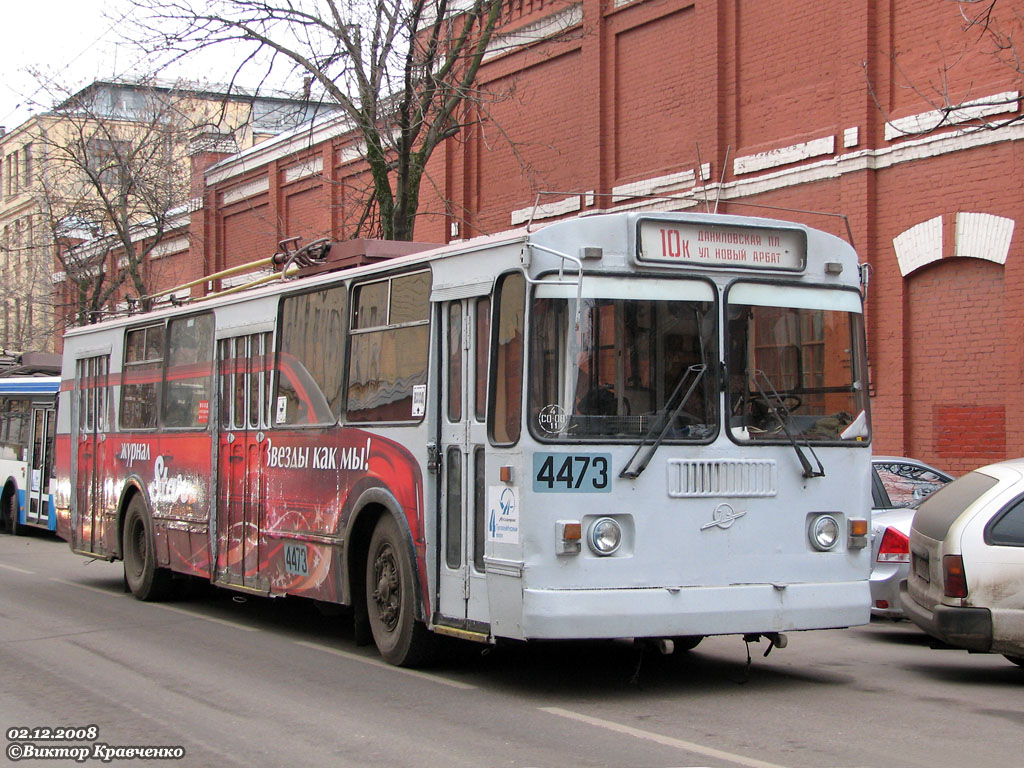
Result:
pixel 89 431
pixel 244 395
pixel 40 468
pixel 465 336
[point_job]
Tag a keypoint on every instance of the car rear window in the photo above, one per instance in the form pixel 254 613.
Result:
pixel 937 513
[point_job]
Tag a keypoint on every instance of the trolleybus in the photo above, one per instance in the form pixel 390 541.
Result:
pixel 27 427
pixel 628 425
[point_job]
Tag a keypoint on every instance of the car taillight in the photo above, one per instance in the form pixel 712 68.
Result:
pixel 954 579
pixel 895 547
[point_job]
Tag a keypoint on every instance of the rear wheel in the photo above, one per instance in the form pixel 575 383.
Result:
pixel 391 598
pixel 145 580
pixel 9 513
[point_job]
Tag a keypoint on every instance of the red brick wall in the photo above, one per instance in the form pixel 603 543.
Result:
pixel 630 94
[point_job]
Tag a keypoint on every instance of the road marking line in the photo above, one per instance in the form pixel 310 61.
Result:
pixel 17 570
pixel 173 609
pixel 668 741
pixel 384 665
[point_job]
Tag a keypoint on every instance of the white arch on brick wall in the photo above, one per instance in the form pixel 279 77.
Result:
pixel 983 236
pixel 919 245
pixel 978 236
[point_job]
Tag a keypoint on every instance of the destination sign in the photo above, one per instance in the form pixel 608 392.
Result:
pixel 716 245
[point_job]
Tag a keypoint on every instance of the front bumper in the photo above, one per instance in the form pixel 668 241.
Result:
pixel 969 628
pixel 671 612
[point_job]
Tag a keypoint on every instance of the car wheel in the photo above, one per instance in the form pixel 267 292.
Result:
pixel 9 514
pixel 391 598
pixel 145 580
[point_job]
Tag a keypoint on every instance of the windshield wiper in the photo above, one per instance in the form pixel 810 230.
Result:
pixel 696 372
pixel 777 408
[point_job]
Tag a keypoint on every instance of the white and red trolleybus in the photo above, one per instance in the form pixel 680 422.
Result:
pixel 643 425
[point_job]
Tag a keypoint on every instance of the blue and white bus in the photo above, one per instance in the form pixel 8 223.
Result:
pixel 27 424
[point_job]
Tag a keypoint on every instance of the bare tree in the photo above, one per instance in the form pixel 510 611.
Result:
pixel 990 31
pixel 402 71
pixel 111 182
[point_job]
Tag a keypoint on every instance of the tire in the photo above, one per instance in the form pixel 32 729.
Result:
pixel 144 579
pixel 9 515
pixel 391 598
pixel 1018 660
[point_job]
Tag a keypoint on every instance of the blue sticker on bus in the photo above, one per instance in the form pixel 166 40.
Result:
pixel 572 473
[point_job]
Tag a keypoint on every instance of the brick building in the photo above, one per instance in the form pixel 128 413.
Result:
pixel 834 107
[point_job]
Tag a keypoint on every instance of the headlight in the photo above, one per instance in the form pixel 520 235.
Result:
pixel 605 536
pixel 823 532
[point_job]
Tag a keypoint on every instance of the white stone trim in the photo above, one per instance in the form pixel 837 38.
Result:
pixel 310 167
pixel 654 186
pixel 168 247
pixel 773 158
pixel 242 191
pixel 851 137
pixel 247 277
pixel 919 245
pixel 546 211
pixel 542 29
pixel 983 236
pixel 915 125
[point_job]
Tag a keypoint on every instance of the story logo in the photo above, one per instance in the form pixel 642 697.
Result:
pixel 170 489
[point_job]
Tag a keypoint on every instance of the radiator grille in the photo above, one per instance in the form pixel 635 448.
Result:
pixel 737 478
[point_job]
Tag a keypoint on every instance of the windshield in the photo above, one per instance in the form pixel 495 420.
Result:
pixel 795 364
pixel 644 355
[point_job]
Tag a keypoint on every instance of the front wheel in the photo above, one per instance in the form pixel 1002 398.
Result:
pixel 391 598
pixel 145 580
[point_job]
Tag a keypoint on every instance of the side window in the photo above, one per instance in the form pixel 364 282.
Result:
pixel 908 484
pixel 389 337
pixel 1008 528
pixel 507 364
pixel 454 358
pixel 186 400
pixel 311 357
pixel 140 381
pixel 483 348
pixel 91 389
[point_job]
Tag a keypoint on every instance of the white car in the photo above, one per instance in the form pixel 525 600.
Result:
pixel 966 582
pixel 898 485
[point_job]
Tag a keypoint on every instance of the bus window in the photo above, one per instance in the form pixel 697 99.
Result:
pixel 186 401
pixel 507 373
pixel 310 360
pixel 387 369
pixel 140 389
pixel 794 368
pixel 643 361
pixel 482 347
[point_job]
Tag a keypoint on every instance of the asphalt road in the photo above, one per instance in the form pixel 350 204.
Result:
pixel 256 682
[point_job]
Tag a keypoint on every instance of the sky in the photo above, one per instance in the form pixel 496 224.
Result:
pixel 73 43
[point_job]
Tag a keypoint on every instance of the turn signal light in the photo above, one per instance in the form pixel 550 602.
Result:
pixel 568 537
pixel 858 533
pixel 954 580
